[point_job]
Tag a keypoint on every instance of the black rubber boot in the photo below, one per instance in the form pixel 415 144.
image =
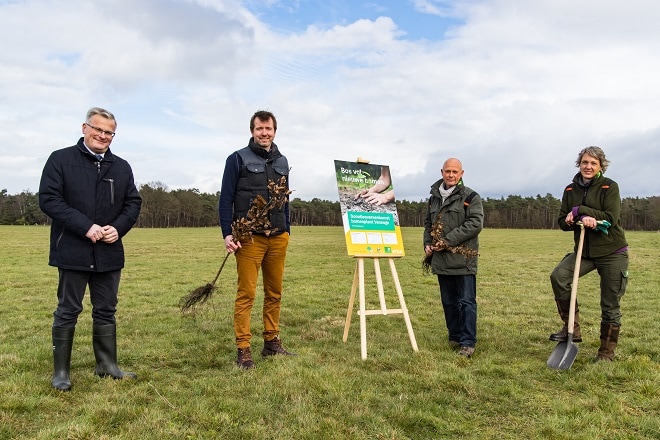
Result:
pixel 62 345
pixel 104 340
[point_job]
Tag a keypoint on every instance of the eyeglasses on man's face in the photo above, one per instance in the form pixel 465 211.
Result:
pixel 100 131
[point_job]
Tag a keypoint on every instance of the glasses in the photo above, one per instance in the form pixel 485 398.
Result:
pixel 101 131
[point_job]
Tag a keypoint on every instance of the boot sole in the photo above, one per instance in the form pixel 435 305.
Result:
pixel 126 376
pixel 64 389
pixel 564 339
pixel 277 353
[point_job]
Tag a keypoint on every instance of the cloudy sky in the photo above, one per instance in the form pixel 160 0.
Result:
pixel 514 88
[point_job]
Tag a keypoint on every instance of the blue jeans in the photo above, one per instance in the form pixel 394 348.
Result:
pixel 459 301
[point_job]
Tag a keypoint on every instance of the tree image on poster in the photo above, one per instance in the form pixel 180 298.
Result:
pixel 368 208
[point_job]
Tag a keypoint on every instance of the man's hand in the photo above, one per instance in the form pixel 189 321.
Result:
pixel 95 233
pixel 110 234
pixel 231 245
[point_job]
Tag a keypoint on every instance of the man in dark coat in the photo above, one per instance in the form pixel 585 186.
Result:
pixel 458 212
pixel 91 198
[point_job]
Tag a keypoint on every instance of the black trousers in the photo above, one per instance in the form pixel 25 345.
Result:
pixel 103 288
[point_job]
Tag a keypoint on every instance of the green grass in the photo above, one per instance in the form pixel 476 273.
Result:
pixel 189 387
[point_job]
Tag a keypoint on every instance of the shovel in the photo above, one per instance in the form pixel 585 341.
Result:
pixel 564 354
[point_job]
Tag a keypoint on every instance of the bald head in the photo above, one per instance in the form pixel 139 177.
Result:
pixel 453 162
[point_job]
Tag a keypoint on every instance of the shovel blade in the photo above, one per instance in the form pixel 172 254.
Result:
pixel 563 356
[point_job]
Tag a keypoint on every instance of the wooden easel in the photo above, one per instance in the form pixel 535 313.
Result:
pixel 358 282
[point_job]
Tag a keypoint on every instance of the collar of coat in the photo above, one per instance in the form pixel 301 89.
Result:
pixel 435 188
pixel 273 153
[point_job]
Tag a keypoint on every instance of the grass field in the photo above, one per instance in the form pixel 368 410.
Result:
pixel 188 386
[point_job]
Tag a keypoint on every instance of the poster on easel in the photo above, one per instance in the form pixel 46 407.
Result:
pixel 368 209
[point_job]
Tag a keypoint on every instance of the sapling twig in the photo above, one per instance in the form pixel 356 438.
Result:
pixel 439 244
pixel 242 229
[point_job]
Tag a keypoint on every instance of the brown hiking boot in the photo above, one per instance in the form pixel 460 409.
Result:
pixel 274 347
pixel 454 344
pixel 244 359
pixel 563 308
pixel 466 351
pixel 609 337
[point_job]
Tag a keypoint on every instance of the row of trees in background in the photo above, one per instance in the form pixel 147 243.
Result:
pixel 164 208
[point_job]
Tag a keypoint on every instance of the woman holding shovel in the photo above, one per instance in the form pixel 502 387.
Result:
pixel 594 200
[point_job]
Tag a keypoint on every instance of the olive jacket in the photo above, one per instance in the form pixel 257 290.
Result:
pixel 462 218
pixel 600 200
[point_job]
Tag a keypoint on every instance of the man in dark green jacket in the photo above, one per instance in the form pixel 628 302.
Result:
pixel 593 199
pixel 454 219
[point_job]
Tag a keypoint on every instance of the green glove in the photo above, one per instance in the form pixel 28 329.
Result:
pixel 603 225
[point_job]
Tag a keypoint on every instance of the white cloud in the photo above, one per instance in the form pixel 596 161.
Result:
pixel 515 92
pixel 441 8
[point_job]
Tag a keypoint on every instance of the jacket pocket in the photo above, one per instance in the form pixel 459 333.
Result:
pixel 59 238
pixel 256 167
pixel 281 169
pixel 624 283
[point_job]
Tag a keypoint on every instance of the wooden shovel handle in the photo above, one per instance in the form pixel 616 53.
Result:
pixel 576 277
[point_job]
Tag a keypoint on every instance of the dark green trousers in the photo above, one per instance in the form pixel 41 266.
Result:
pixel 613 272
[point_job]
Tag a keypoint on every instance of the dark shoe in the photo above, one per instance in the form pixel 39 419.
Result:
pixel 104 341
pixel 274 347
pixel 244 359
pixel 562 335
pixel 563 307
pixel 454 344
pixel 62 345
pixel 609 337
pixel 466 351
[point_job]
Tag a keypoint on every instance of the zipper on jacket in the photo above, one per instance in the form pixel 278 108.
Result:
pixel 112 190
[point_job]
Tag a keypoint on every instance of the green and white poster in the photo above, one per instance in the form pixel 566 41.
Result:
pixel 368 209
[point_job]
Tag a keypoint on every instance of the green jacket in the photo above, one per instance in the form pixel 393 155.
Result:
pixel 461 225
pixel 602 201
